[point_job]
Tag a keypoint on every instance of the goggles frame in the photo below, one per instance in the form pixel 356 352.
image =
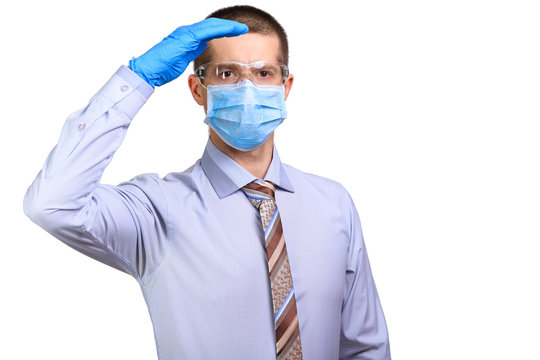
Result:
pixel 200 71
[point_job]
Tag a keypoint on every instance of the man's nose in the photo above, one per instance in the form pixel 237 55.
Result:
pixel 246 75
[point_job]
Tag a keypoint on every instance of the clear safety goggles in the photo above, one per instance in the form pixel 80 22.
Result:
pixel 232 72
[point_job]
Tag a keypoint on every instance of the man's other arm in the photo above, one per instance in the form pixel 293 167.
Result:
pixel 364 334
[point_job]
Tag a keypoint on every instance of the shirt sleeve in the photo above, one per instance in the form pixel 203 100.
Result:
pixel 122 226
pixel 364 333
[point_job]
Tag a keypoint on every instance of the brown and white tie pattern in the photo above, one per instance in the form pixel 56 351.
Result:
pixel 288 345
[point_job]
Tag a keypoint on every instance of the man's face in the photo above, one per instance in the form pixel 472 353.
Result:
pixel 245 48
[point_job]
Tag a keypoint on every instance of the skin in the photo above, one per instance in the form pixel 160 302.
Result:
pixel 245 48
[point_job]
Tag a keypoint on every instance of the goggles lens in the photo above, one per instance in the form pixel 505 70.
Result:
pixel 232 72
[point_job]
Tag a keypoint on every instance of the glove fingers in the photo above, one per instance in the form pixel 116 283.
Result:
pixel 213 28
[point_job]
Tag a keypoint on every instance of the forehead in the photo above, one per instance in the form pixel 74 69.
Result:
pixel 246 48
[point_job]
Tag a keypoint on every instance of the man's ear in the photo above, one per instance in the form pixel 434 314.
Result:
pixel 197 91
pixel 288 85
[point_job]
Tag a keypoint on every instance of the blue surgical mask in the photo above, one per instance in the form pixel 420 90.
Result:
pixel 244 115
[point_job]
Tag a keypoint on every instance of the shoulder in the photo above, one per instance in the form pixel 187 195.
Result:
pixel 153 186
pixel 321 186
pixel 149 180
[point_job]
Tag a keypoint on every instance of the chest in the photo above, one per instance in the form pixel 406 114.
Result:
pixel 217 247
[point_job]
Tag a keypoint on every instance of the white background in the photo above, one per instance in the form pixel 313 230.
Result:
pixel 426 111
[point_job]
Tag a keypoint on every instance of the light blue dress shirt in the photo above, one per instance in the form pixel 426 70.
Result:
pixel 194 242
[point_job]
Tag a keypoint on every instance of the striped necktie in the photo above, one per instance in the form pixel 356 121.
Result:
pixel 288 346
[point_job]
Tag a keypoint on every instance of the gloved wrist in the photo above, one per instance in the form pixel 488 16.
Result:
pixel 136 69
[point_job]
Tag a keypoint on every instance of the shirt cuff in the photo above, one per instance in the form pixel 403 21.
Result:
pixel 125 91
pixel 135 81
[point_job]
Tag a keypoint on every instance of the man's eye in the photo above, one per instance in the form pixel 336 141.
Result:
pixel 225 74
pixel 264 74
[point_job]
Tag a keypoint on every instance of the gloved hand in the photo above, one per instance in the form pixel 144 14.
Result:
pixel 168 59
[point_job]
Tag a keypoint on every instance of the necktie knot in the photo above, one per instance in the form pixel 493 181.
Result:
pixel 261 195
pixel 260 190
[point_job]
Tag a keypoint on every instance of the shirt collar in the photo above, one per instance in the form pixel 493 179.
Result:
pixel 227 176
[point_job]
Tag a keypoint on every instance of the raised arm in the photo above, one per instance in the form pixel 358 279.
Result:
pixel 124 226
pixel 66 199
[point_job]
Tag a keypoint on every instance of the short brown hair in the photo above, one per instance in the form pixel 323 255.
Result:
pixel 258 21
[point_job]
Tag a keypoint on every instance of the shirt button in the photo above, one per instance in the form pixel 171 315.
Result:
pixel 82 126
pixel 124 88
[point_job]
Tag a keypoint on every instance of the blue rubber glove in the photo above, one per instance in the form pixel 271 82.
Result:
pixel 168 59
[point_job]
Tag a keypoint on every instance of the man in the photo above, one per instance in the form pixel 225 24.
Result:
pixel 240 256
